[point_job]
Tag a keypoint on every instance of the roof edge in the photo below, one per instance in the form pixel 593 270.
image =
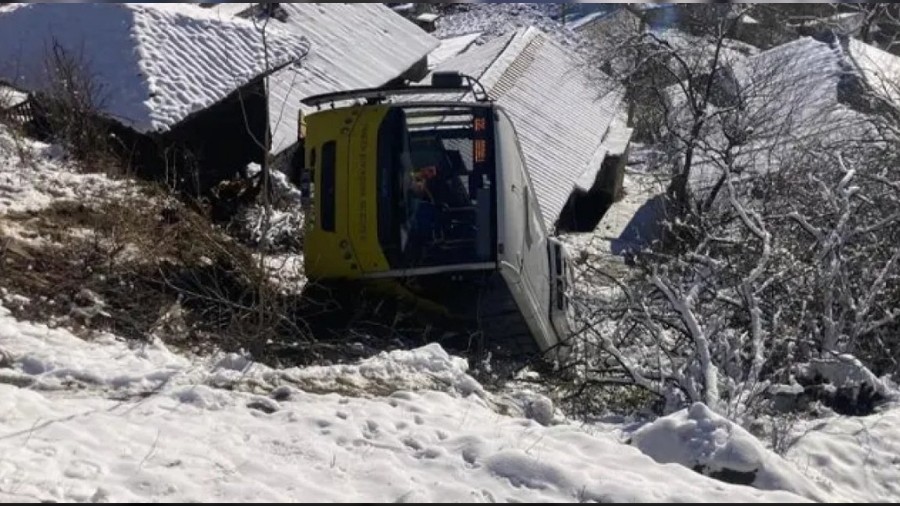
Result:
pixel 516 44
pixel 614 142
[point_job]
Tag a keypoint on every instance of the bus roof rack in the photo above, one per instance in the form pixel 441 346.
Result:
pixel 441 82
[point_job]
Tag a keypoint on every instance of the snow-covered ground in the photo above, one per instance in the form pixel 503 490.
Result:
pixel 629 223
pixel 108 420
pixel 857 457
pixel 33 175
pixel 494 20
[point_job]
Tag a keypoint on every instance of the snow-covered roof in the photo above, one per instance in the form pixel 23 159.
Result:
pixel 353 45
pixel 451 47
pixel 427 17
pixel 10 96
pixel 701 49
pixel 404 7
pixel 791 103
pixel 798 79
pixel 842 23
pixel 228 10
pixel 156 63
pixel 561 118
pixel 583 14
pixel 880 69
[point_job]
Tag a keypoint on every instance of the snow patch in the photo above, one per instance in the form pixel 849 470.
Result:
pixel 426 368
pixel 856 456
pixel 34 175
pixel 54 359
pixel 845 371
pixel 497 19
pixel 699 439
pixel 451 47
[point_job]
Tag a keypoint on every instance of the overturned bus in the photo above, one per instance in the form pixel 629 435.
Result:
pixel 432 199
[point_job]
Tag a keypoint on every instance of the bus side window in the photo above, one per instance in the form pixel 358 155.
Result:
pixel 327 197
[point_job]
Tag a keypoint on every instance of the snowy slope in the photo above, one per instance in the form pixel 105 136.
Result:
pixel 41 176
pixel 858 457
pixel 103 420
pixel 156 63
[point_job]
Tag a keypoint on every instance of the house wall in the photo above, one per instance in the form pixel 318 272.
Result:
pixel 584 210
pixel 205 149
pixel 19 114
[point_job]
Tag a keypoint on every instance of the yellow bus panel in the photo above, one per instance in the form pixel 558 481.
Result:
pixel 342 225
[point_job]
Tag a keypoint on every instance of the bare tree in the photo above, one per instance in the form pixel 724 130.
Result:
pixel 786 255
pixel 656 66
pixel 71 103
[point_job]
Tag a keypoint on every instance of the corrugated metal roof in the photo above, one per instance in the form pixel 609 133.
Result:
pixel 793 84
pixel 451 47
pixel 791 104
pixel 353 45
pixel 156 63
pixel 561 117
pixel 227 10
pixel 880 69
pixel 476 61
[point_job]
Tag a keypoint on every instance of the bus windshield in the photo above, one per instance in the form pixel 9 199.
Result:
pixel 436 186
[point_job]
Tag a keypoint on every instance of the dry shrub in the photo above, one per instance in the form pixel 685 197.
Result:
pixel 125 267
pixel 152 266
pixel 68 109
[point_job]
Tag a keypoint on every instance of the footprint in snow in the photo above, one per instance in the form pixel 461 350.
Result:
pixel 370 430
pixel 46 451
pixel 82 470
pixel 412 444
pixel 413 496
pixel 430 453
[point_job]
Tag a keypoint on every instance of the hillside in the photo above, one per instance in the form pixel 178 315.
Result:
pixel 97 417
pixel 728 331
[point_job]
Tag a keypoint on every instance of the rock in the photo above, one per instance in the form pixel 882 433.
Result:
pixel 282 393
pixel 264 404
